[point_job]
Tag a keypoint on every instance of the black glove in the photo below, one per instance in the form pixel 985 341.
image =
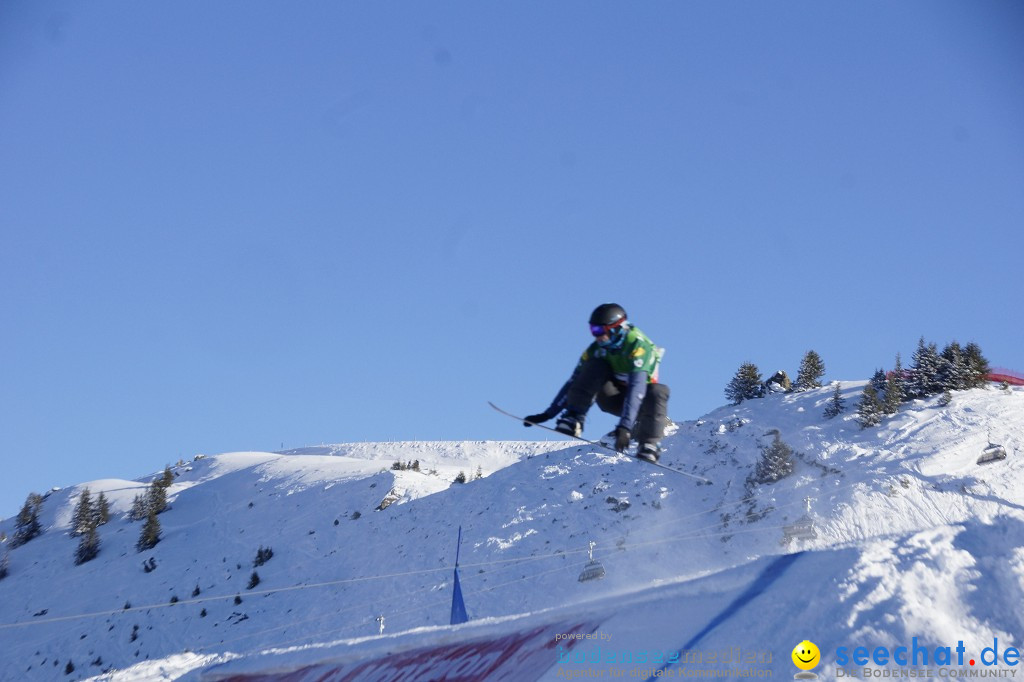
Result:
pixel 622 435
pixel 537 418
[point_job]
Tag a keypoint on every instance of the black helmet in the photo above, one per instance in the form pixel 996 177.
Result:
pixel 607 315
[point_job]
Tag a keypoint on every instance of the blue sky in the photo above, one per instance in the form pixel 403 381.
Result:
pixel 242 225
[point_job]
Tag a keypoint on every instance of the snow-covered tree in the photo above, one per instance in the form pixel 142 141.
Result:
pixel 954 374
pixel 836 404
pixel 895 389
pixel 977 366
pixel 102 510
pixel 878 380
pixel 869 409
pixel 776 462
pixel 167 478
pixel 156 497
pixel 5 563
pixel 26 525
pixel 138 510
pixel 745 384
pixel 84 522
pixel 83 517
pixel 88 545
pixel 150 535
pixel 812 369
pixel 924 372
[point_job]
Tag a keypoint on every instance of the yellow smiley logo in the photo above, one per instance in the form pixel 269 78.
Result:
pixel 806 655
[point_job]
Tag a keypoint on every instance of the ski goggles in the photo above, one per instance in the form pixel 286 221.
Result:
pixel 602 329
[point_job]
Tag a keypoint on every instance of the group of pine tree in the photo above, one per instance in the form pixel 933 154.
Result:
pixel 932 372
pixel 747 384
pixel 147 507
pixel 956 368
pixel 89 514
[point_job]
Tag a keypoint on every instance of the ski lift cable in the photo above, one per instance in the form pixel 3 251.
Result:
pixel 333 614
pixel 203 600
pixel 433 605
pixel 438 604
pixel 374 603
pixel 289 588
pixel 372 606
pixel 367 622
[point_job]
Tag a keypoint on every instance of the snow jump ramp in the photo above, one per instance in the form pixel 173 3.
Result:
pixel 529 646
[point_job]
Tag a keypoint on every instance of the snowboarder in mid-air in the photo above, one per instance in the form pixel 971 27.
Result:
pixel 620 371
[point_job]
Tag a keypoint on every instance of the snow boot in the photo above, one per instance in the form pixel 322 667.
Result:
pixel 649 451
pixel 570 423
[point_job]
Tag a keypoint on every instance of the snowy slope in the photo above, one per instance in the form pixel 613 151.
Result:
pixel 912 539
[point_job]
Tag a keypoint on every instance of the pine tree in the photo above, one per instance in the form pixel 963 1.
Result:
pixel 102 510
pixel 150 535
pixel 156 498
pixel 776 462
pixel 5 563
pixel 26 525
pixel 83 517
pixel 167 478
pixel 924 372
pixel 836 403
pixel 869 409
pixel 745 384
pixel 812 369
pixel 894 389
pixel 953 370
pixel 977 366
pixel 878 380
pixel 138 511
pixel 85 521
pixel 89 545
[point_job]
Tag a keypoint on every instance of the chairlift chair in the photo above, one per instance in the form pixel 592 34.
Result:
pixel 992 453
pixel 593 570
pixel 801 529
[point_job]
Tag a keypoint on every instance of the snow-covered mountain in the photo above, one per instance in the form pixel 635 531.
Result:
pixel 878 536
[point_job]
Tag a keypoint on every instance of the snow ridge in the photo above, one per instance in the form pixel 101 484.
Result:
pixel 895 530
